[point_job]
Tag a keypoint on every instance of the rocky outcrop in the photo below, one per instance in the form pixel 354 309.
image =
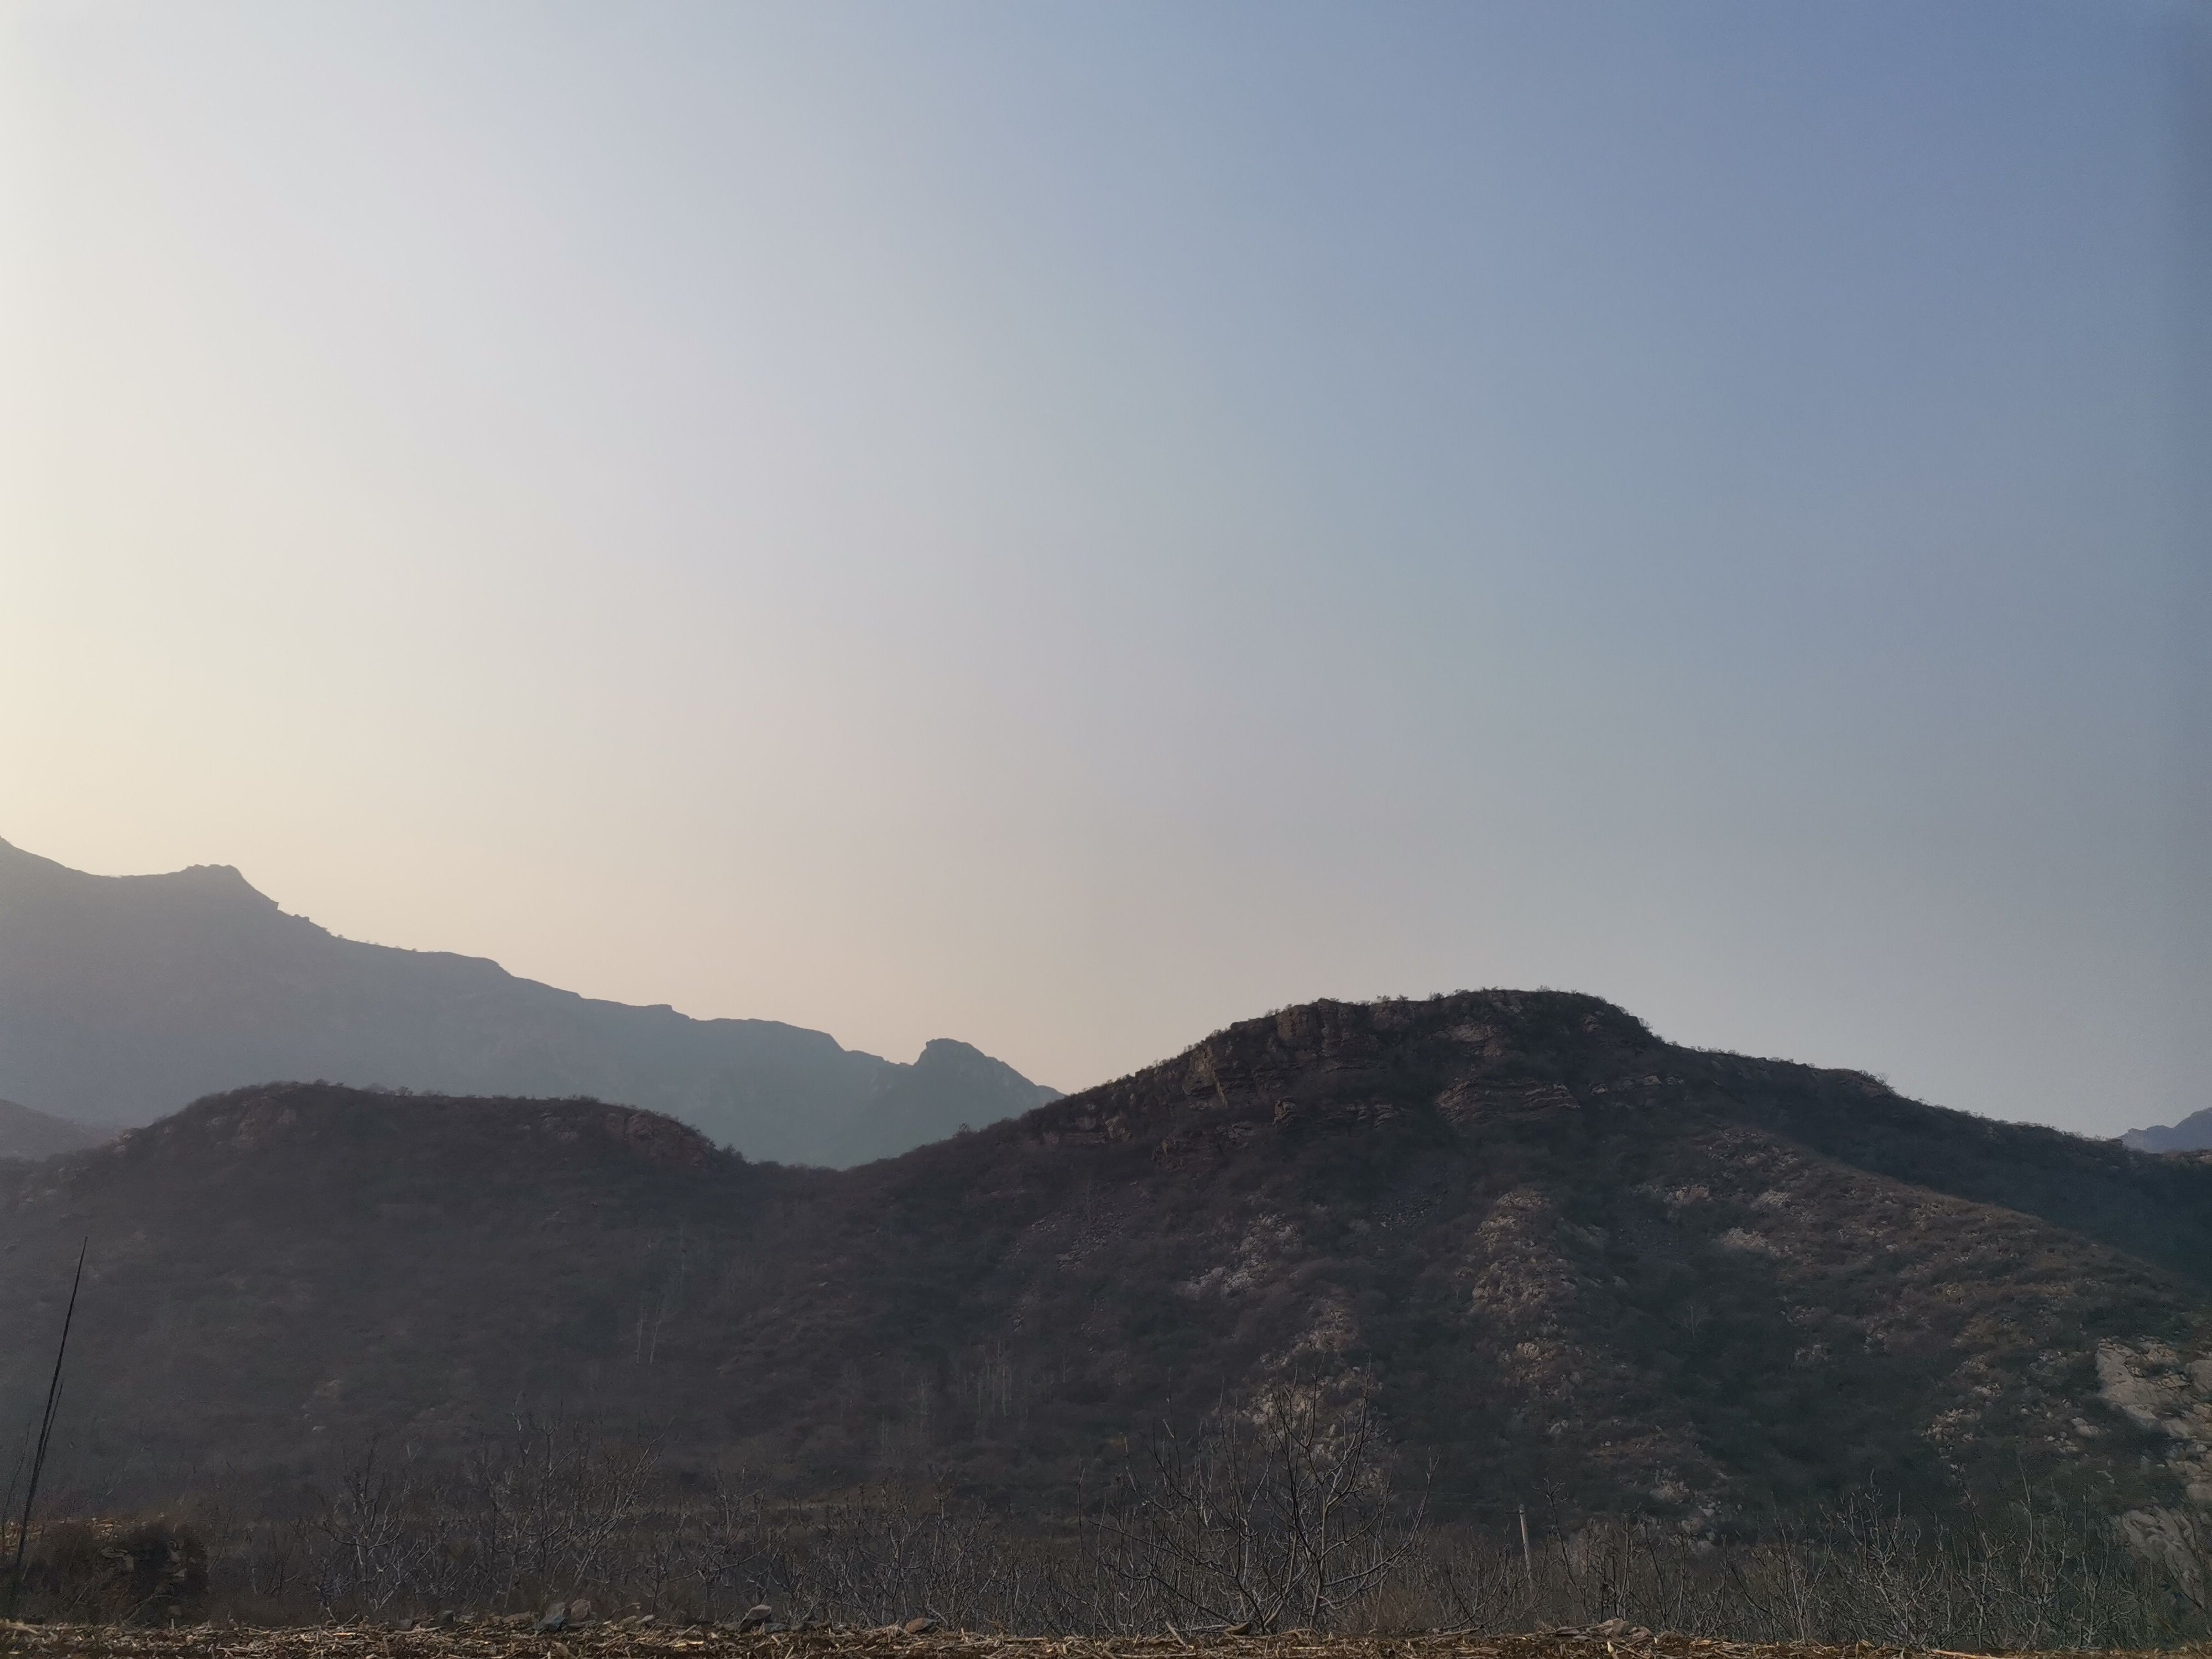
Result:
pixel 2159 1387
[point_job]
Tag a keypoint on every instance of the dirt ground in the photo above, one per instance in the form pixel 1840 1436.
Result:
pixel 617 1641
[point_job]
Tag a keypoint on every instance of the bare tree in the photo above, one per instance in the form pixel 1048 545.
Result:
pixel 1279 1508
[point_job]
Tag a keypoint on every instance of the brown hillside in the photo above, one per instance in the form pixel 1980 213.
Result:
pixel 274 1270
pixel 1571 1259
pixel 1575 1266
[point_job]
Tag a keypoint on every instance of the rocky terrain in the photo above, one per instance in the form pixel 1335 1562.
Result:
pixel 122 996
pixel 1570 1265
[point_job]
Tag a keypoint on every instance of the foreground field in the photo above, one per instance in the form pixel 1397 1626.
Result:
pixel 617 1641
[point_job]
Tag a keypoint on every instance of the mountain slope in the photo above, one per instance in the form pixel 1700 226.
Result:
pixel 120 996
pixel 1569 1257
pixel 27 1133
pixel 1571 1263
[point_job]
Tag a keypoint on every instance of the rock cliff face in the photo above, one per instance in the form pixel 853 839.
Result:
pixel 121 997
pixel 2166 1392
pixel 1571 1265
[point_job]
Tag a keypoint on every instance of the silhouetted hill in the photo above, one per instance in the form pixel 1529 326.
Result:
pixel 1573 1264
pixel 120 996
pixel 27 1133
pixel 2192 1135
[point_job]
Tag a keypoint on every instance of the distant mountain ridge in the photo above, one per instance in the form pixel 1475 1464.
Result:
pixel 28 1133
pixel 123 997
pixel 2192 1135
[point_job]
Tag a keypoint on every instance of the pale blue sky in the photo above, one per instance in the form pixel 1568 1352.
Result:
pixel 1067 525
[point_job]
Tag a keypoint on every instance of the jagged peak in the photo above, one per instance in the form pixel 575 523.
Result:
pixel 940 1049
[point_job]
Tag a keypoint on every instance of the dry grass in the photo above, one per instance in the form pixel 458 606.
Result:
pixel 492 1638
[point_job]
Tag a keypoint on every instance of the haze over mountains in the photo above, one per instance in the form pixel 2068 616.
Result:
pixel 2192 1135
pixel 27 1133
pixel 1569 1262
pixel 122 998
pixel 1560 1255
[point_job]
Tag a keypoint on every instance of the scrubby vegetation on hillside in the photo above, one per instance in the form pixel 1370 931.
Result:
pixel 1275 1516
pixel 1571 1269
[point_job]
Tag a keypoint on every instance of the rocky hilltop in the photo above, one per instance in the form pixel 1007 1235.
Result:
pixel 122 995
pixel 1571 1264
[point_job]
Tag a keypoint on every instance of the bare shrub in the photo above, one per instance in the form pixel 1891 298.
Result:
pixel 553 1507
pixel 2036 1576
pixel 1279 1508
pixel 1276 1512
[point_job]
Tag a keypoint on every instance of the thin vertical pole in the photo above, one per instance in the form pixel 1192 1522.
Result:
pixel 45 1434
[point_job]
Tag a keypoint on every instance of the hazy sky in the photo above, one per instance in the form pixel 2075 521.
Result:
pixel 1065 525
